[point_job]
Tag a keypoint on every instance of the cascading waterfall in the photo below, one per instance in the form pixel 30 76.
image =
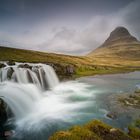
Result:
pixel 20 98
pixel 38 101
pixel 21 87
pixel 41 75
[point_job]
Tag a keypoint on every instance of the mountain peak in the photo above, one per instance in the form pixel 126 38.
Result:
pixel 119 35
pixel 119 32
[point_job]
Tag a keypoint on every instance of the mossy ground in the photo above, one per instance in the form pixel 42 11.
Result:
pixel 134 129
pixel 94 130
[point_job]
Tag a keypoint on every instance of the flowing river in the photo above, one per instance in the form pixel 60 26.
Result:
pixel 42 105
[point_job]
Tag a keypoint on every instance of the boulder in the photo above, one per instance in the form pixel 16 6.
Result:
pixel 2 65
pixel 25 66
pixel 3 113
pixel 112 115
pixel 69 70
pixel 10 73
pixel 11 63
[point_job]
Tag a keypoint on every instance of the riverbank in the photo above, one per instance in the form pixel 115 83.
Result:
pixel 94 130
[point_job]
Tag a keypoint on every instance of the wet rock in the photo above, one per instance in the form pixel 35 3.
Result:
pixel 3 113
pixel 11 63
pixel 63 70
pixel 132 100
pixel 113 130
pixel 2 65
pixel 69 70
pixel 51 64
pixel 10 73
pixel 25 66
pixel 112 115
pixel 59 69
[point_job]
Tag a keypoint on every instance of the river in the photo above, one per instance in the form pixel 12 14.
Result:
pixel 40 113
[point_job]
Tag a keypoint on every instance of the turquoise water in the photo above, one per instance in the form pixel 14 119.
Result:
pixel 76 102
pixel 112 85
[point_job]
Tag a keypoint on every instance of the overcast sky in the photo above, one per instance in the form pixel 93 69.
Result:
pixel 65 26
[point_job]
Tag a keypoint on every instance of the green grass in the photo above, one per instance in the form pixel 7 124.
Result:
pixel 86 71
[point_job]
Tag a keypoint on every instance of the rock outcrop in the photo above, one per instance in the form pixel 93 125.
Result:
pixel 2 65
pixel 132 100
pixel 3 113
pixel 25 66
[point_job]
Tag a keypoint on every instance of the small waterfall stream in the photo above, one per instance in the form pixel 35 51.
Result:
pixel 41 75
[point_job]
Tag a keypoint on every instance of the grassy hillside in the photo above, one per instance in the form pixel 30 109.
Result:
pixel 20 55
pixel 83 65
pixel 126 51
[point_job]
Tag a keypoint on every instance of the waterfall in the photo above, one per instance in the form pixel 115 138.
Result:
pixel 37 111
pixel 19 97
pixel 23 87
pixel 41 75
pixel 22 84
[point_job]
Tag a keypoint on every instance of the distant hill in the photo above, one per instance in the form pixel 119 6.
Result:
pixel 20 55
pixel 120 44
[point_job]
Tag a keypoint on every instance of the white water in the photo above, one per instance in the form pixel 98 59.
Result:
pixel 30 104
pixel 34 109
pixel 41 75
pixel 19 97
pixel 24 87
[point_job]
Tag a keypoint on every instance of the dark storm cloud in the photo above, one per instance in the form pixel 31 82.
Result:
pixel 65 26
pixel 14 9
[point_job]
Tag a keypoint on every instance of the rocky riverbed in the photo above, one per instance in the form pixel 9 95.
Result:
pixel 128 104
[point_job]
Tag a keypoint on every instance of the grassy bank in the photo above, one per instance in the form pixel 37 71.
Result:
pixel 84 71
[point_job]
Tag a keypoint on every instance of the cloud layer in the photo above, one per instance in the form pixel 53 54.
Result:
pixel 76 40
